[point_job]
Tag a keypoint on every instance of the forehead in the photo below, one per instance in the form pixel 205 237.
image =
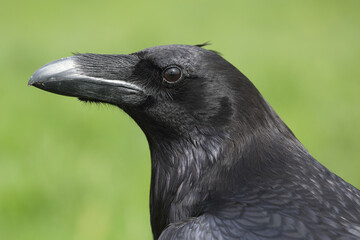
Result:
pixel 183 55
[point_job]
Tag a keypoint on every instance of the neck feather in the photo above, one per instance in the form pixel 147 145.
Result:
pixel 186 171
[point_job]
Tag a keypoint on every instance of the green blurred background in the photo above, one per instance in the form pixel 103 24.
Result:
pixel 70 170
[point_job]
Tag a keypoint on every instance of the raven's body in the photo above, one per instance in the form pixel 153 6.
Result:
pixel 224 165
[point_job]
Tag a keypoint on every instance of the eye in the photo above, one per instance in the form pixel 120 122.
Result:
pixel 172 74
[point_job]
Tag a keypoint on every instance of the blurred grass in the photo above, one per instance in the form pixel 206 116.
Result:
pixel 74 171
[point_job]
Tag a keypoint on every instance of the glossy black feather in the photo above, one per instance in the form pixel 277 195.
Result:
pixel 233 170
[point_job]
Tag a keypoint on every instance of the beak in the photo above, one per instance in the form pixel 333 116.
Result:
pixel 71 76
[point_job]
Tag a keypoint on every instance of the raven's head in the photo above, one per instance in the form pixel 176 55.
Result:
pixel 168 90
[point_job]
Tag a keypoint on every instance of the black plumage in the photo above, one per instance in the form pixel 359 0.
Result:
pixel 224 165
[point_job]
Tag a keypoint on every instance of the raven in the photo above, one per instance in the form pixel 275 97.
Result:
pixel 224 165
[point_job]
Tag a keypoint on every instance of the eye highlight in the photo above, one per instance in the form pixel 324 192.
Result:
pixel 172 74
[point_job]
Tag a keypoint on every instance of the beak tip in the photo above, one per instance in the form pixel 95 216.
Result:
pixel 48 71
pixel 33 81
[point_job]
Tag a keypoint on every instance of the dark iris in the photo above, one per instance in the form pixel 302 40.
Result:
pixel 172 74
